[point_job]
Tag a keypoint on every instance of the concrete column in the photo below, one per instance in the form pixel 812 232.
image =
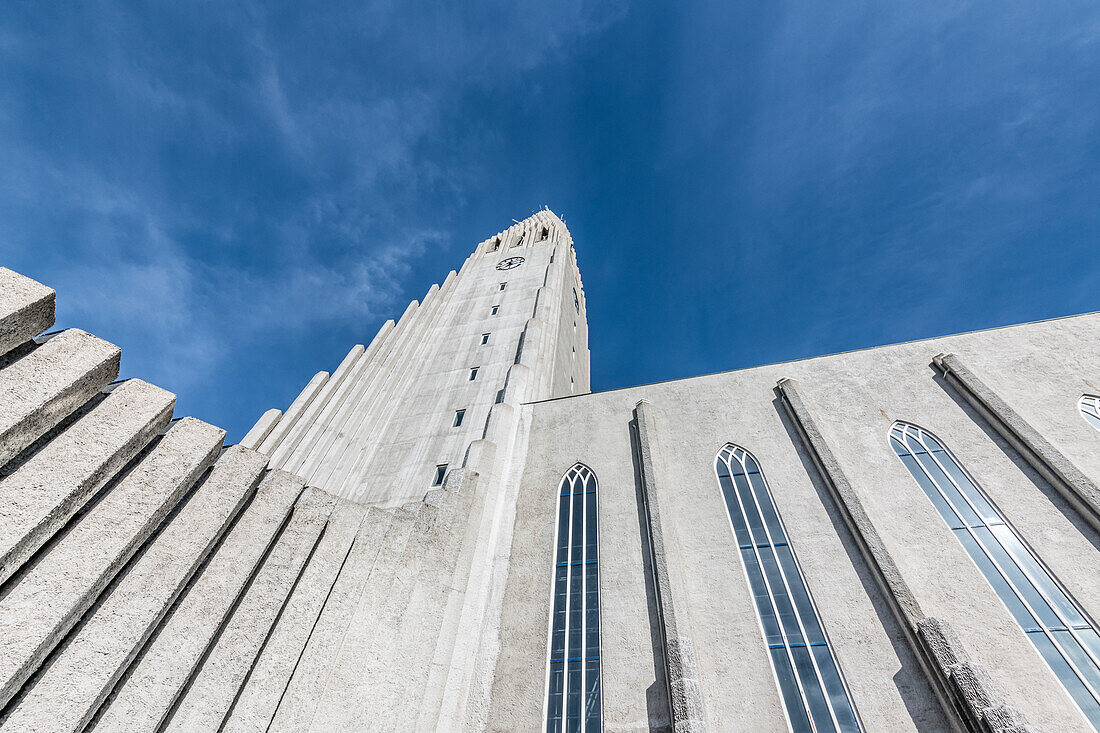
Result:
pixel 50 383
pixel 147 695
pixel 26 309
pixel 681 674
pixel 263 427
pixel 964 690
pixel 54 483
pixel 1080 491
pixel 52 596
pixel 72 686
pixel 294 412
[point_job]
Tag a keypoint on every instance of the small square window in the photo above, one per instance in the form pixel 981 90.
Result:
pixel 503 285
pixel 496 309
pixel 440 474
pixel 484 339
pixel 459 415
pixel 473 374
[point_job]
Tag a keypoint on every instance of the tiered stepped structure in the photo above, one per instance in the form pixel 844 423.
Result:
pixel 310 578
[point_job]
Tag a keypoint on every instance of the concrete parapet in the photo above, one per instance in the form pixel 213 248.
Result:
pixel 70 689
pixel 46 601
pixel 26 309
pixel 256 705
pixel 212 692
pixel 39 497
pixel 48 384
pixel 156 680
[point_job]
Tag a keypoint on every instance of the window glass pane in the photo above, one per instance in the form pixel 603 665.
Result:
pixel 740 530
pixel 985 509
pixel 555 698
pixel 592 705
pixel 792 700
pixel 801 596
pixel 932 493
pixel 1086 668
pixel 811 687
pixel 1046 584
pixel 1015 607
pixel 767 508
pixel 968 515
pixel 834 689
pixel 561 598
pixel 1062 670
pixel 744 495
pixel 779 595
pixel 1024 587
pixel 760 595
pixel 573 697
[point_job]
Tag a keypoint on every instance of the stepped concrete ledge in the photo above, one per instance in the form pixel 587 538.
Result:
pixel 158 676
pixel 50 598
pixel 258 700
pixel 42 494
pixel 48 384
pixel 26 309
pixel 211 695
pixel 74 683
pixel 299 700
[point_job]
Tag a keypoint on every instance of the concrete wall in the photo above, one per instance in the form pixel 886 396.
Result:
pixel 1040 368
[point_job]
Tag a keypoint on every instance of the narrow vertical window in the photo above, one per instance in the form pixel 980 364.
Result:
pixel 495 245
pixel 473 373
pixel 484 339
pixel 440 474
pixel 545 234
pixel 460 415
pixel 1089 405
pixel 552 256
pixel 520 240
pixel 814 694
pixel 573 698
pixel 576 301
pixel 503 285
pixel 1050 617
pixel 496 309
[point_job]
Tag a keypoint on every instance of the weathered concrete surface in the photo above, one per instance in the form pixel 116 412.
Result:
pixel 331 711
pixel 299 702
pixel 45 386
pixel 69 691
pixel 209 697
pixel 293 413
pixel 45 603
pixel 158 677
pixel 26 309
pixel 43 493
pixel 256 705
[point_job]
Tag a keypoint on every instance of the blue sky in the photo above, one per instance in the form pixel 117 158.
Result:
pixel 236 193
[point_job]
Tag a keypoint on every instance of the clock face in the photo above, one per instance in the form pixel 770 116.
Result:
pixel 510 263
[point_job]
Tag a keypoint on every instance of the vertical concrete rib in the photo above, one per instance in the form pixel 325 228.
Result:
pixel 39 497
pixel 1081 492
pixel 157 678
pixel 255 707
pixel 209 697
pixel 45 602
pixel 45 386
pixel 684 693
pixel 74 683
pixel 303 691
pixel 263 427
pixel 290 418
pixel 281 455
pixel 964 689
pixel 26 309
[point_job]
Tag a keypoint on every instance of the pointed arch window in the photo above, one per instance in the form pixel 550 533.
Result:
pixel 814 694
pixel 1089 405
pixel 573 696
pixel 1050 617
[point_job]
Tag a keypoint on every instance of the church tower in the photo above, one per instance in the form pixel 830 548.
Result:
pixel 397 415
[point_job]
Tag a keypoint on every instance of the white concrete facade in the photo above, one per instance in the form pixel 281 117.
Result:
pixel 315 578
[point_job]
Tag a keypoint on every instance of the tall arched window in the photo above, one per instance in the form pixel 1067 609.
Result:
pixel 814 694
pixel 573 700
pixel 1053 621
pixel 1089 405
